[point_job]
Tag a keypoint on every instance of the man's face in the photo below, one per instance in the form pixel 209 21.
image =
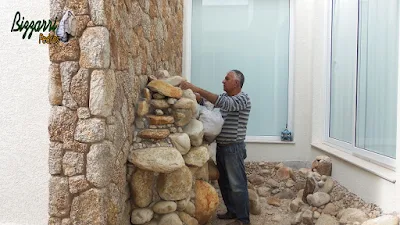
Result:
pixel 230 82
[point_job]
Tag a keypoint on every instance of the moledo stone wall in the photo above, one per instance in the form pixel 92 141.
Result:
pixel 94 85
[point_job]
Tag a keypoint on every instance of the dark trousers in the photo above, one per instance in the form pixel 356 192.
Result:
pixel 233 180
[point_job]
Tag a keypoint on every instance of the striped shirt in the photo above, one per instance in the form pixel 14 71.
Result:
pixel 235 110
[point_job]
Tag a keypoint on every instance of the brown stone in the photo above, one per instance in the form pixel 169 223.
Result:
pixel 59 199
pixel 274 201
pixel 206 201
pixel 90 207
pixel 78 7
pixel 254 203
pixel 159 104
pixel 160 120
pixel 80 88
pixel 147 94
pixel 142 183
pixel 175 185
pixel 143 108
pixel 154 133
pixel 164 88
pixel 284 173
pixel 323 165
pixel 81 24
pixel 212 170
pixel 62 124
pixel 55 85
pixel 309 189
pixel 61 51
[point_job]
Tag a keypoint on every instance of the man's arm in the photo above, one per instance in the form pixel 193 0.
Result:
pixel 205 94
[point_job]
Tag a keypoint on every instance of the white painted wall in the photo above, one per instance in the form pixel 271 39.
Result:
pixel 23 117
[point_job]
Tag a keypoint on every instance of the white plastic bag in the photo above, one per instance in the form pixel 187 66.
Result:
pixel 212 151
pixel 212 122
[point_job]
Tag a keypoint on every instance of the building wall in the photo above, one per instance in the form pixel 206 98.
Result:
pixel 23 117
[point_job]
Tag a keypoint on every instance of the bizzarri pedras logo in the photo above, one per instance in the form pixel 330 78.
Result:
pixel 28 27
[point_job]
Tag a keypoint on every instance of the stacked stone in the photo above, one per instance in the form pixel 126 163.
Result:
pixel 95 79
pixel 169 170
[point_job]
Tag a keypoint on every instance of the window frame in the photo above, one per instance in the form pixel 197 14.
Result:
pixel 186 67
pixel 350 148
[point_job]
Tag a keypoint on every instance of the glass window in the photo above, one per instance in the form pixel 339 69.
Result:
pixel 253 37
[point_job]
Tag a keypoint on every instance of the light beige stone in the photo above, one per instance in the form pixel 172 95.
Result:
pixel 90 130
pixel 164 88
pixel 174 80
pixel 141 216
pixel 97 12
pixel 195 131
pixel 160 104
pixel 95 47
pixel 175 185
pixel 190 209
pixel 197 156
pixel 169 219
pixel 142 183
pixel 182 116
pixel 187 219
pixel 56 9
pixel 159 159
pixel 83 113
pixel 181 141
pixel 164 207
pixel 59 199
pixel 102 92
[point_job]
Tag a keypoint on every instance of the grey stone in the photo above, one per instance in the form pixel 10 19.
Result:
pixel 55 158
pixel 97 12
pixel 90 207
pixel 99 163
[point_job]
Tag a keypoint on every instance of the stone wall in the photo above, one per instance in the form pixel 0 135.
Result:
pixel 169 162
pixel 94 85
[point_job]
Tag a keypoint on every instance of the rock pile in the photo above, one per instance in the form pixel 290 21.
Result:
pixel 277 193
pixel 169 163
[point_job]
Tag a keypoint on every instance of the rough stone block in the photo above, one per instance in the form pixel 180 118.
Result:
pixel 95 48
pixel 100 161
pixel 55 85
pixel 90 130
pixel 59 199
pixel 61 51
pixel 102 92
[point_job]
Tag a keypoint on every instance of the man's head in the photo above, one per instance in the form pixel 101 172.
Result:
pixel 233 82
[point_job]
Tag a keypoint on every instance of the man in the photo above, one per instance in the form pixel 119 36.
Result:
pixel 231 150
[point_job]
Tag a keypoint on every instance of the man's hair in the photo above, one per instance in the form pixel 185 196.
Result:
pixel 239 75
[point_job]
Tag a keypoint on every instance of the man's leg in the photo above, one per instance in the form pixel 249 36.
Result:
pixel 235 169
pixel 223 181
